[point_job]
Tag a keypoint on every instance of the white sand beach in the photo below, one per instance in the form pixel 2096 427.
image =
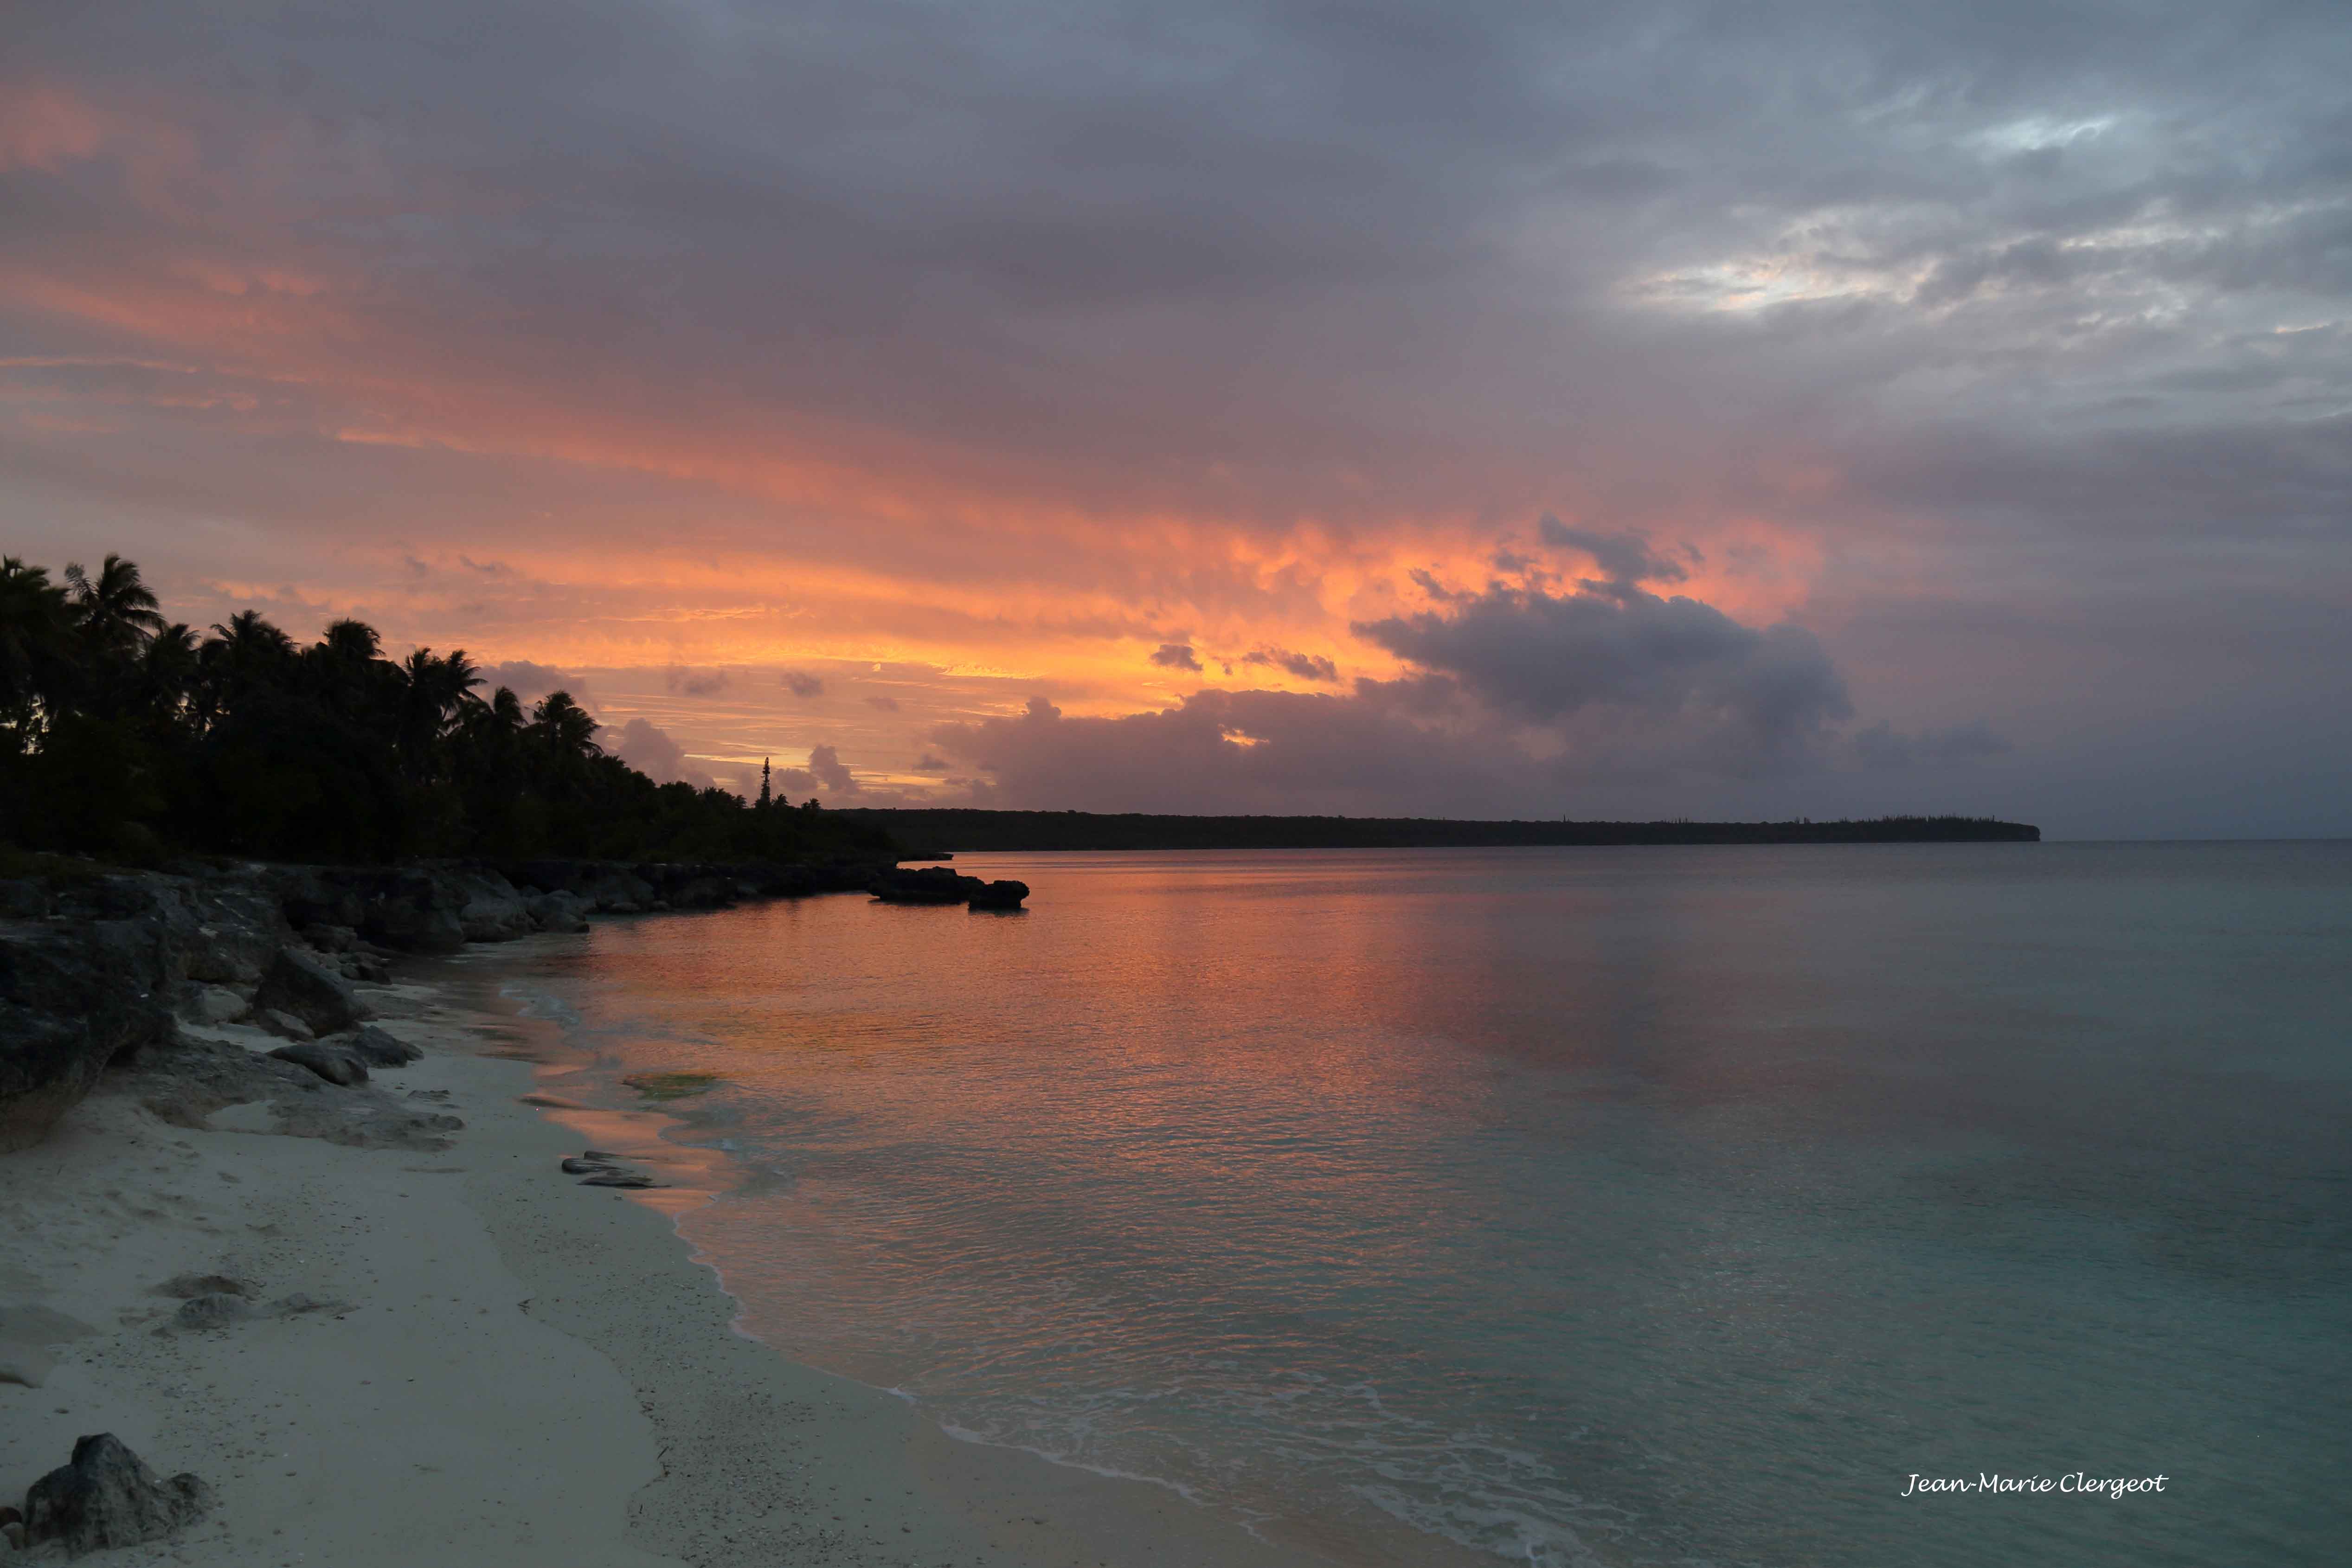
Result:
pixel 510 1367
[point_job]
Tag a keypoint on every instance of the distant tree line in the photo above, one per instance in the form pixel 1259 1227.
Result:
pixel 127 736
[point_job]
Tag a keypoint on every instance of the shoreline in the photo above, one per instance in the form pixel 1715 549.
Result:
pixel 521 1369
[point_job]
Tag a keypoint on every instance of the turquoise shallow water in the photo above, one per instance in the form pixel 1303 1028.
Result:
pixel 1625 1205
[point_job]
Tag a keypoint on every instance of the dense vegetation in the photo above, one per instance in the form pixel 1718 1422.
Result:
pixel 126 736
pixel 953 830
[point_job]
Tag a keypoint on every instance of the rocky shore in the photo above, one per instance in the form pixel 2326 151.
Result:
pixel 365 1298
pixel 98 969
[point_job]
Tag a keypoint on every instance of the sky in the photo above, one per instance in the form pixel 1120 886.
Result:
pixel 1722 410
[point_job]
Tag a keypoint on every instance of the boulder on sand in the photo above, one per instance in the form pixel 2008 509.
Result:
pixel 300 985
pixel 107 1498
pixel 337 1063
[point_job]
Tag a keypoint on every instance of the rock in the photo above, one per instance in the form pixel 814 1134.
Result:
pixel 492 910
pixel 22 900
pixel 557 911
pixel 339 1064
pixel 297 1304
pixel 218 1310
pixel 1005 895
pixel 406 927
pixel 187 1287
pixel 285 1026
pixel 330 937
pixel 579 1167
pixel 378 1047
pixel 215 1005
pixel 924 885
pixel 301 986
pixel 106 1498
pixel 196 1077
pixel 71 1002
pixel 617 1179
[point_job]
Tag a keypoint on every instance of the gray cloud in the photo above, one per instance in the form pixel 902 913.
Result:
pixel 824 775
pixel 1759 697
pixel 697 683
pixel 1625 559
pixel 883 704
pixel 1306 665
pixel 647 748
pixel 800 683
pixel 1175 656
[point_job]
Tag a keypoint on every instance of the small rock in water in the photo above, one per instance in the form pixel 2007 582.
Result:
pixel 213 1311
pixel 575 1166
pixel 107 1498
pixel 439 1096
pixel 618 1179
pixel 299 1302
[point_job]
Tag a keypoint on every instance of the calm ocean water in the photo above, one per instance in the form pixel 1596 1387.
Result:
pixel 1619 1206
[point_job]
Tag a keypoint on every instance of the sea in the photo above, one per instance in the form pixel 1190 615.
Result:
pixel 1627 1205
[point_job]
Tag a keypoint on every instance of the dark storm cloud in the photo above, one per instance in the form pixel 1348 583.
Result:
pixel 1544 659
pixel 1624 559
pixel 1515 695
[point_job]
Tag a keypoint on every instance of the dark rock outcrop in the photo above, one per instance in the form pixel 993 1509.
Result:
pixel 300 985
pixel 72 999
pixel 106 1497
pixel 939 885
pixel 1005 895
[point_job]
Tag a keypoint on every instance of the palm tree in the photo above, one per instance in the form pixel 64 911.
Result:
pixel 35 650
pixel 168 669
pixel 116 610
pixel 564 726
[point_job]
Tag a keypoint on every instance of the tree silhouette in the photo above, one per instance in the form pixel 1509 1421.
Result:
pixel 126 735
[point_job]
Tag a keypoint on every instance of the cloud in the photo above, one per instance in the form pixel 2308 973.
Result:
pixel 824 775
pixel 800 683
pixel 647 748
pixel 697 683
pixel 1624 559
pixel 1175 656
pixel 883 704
pixel 533 681
pixel 1634 663
pixel 1307 666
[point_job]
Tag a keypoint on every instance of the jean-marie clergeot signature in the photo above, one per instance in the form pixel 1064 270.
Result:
pixel 2113 1486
